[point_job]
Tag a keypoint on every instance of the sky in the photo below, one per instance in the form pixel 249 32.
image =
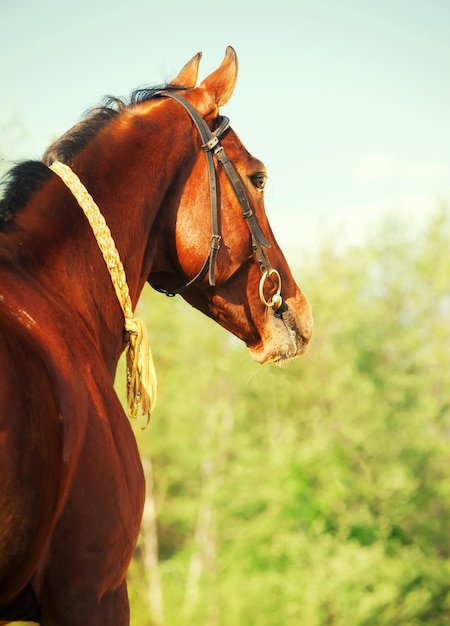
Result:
pixel 347 102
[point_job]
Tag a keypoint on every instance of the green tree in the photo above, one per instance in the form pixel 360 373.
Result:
pixel 318 493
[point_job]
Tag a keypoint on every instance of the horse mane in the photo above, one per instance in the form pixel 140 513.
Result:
pixel 72 141
pixel 27 177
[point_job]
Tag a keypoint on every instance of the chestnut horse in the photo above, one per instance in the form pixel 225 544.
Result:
pixel 72 485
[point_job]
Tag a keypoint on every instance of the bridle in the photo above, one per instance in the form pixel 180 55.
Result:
pixel 212 147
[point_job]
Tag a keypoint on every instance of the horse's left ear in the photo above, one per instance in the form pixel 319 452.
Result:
pixel 218 86
pixel 188 75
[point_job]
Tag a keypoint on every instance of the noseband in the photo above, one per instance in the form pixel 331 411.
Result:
pixel 211 145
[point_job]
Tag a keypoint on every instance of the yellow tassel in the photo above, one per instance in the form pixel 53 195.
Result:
pixel 141 374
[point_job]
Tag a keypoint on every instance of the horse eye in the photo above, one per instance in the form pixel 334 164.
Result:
pixel 259 181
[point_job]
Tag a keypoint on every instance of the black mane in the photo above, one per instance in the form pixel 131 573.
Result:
pixel 19 185
pixel 75 139
pixel 27 177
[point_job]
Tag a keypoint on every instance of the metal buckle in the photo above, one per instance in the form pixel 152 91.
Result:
pixel 210 144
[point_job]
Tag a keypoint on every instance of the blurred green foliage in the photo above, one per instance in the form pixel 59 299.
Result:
pixel 317 493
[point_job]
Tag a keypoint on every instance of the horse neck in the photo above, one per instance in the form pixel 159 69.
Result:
pixel 129 181
pixel 135 167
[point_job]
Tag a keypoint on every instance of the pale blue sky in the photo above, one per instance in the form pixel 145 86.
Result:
pixel 346 101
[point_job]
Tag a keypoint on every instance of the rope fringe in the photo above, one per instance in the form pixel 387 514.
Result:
pixel 141 374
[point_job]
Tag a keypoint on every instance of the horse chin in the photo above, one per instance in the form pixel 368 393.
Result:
pixel 283 339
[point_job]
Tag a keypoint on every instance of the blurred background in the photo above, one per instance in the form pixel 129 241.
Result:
pixel 318 493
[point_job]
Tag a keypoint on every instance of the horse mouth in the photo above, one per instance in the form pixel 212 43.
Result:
pixel 285 338
pixel 278 354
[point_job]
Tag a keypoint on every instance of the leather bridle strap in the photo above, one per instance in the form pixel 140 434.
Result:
pixel 211 145
pixel 208 138
pixel 259 242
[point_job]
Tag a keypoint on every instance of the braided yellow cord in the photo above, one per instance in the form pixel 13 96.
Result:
pixel 141 374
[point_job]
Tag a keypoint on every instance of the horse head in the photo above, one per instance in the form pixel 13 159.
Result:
pixel 226 262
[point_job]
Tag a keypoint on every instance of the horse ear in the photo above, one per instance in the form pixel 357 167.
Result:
pixel 188 76
pixel 220 84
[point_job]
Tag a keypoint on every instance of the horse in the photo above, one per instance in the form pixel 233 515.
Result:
pixel 155 189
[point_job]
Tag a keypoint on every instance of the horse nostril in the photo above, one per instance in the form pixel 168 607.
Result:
pixel 281 309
